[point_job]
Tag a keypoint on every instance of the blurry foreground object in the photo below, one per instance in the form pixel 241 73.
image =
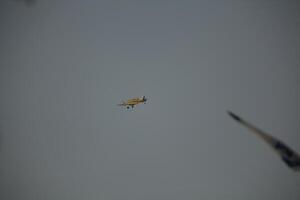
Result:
pixel 290 157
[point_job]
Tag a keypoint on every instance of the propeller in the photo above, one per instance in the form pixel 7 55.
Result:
pixel 144 99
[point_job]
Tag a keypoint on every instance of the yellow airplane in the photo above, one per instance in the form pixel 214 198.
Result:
pixel 133 102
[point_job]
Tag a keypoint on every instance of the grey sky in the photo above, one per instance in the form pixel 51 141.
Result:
pixel 65 65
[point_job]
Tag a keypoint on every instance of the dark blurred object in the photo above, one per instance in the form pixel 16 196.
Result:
pixel 289 156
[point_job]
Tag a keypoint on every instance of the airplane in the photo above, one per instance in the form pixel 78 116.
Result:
pixel 288 156
pixel 132 102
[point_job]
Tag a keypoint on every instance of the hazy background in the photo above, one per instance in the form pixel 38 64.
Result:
pixel 65 65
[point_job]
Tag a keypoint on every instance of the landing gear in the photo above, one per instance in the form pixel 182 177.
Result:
pixel 127 107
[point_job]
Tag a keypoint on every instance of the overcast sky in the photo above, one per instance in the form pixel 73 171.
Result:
pixel 65 65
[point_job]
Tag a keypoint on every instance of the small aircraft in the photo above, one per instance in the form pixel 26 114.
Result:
pixel 132 102
pixel 288 156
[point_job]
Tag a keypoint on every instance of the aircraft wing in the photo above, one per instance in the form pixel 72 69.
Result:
pixel 289 157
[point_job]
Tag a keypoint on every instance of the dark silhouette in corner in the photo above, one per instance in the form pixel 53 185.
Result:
pixel 289 156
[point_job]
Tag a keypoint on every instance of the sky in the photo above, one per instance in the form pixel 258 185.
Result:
pixel 65 65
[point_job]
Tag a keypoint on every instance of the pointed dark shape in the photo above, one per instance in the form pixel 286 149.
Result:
pixel 289 157
pixel 234 116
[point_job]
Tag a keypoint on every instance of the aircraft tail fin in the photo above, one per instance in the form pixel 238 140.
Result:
pixel 122 103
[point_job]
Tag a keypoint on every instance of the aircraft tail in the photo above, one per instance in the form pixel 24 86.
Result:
pixel 122 103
